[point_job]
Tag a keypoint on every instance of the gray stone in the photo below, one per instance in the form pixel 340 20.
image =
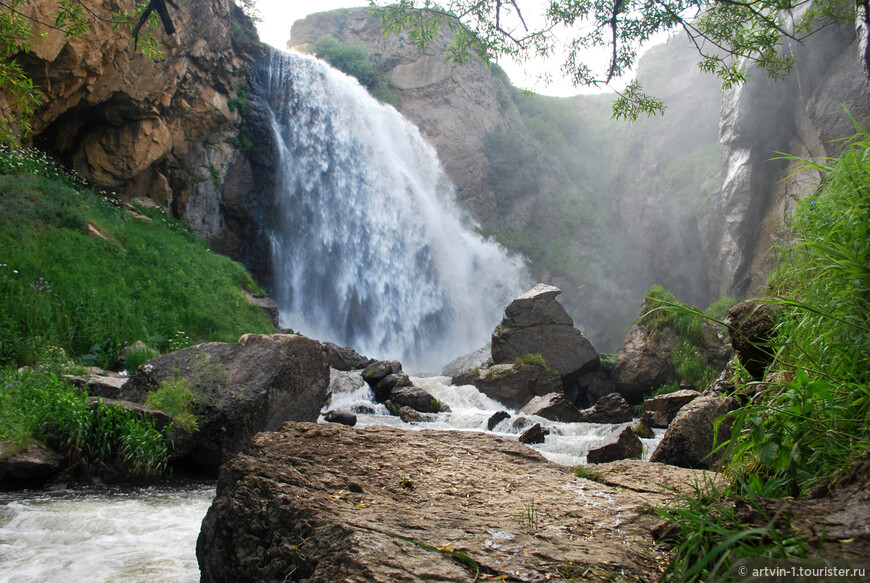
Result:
pixel 621 443
pixel 340 416
pixel 514 385
pixel 688 442
pixel 31 467
pixel 611 408
pixel 497 418
pixel 553 406
pixel 242 389
pixel 536 323
pixel 534 434
pixel 417 399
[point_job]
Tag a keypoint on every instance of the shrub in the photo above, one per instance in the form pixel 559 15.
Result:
pixel 175 398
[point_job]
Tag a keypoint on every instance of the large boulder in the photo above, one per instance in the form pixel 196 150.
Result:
pixel 241 389
pixel 553 406
pixel 644 360
pixel 688 442
pixel 750 324
pixel 514 385
pixel 660 410
pixel 344 358
pixel 535 323
pixel 610 408
pixel 323 503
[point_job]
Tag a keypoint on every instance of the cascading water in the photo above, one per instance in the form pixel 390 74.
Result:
pixel 370 250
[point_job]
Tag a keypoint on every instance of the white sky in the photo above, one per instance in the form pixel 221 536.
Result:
pixel 279 15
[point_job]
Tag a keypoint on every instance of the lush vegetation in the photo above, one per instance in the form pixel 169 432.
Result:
pixel 38 404
pixel 805 429
pixel 83 277
pixel 85 273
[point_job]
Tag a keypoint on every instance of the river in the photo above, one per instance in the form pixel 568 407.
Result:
pixel 147 534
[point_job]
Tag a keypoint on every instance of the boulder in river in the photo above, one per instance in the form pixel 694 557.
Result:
pixel 30 467
pixel 621 443
pixel 322 503
pixel 536 323
pixel 610 408
pixel 660 410
pixel 553 406
pixel 514 385
pixel 241 389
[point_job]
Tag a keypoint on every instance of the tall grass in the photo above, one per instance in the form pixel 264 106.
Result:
pixel 806 428
pixel 41 405
pixel 78 271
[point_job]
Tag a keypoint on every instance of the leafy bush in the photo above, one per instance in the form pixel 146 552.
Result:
pixel 355 61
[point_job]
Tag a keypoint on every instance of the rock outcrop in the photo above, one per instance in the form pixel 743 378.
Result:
pixel 241 389
pixel 163 130
pixel 536 323
pixel 689 440
pixel 644 361
pixel 31 467
pixel 513 385
pixel 324 503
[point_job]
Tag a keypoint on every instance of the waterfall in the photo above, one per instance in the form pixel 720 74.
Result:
pixel 369 248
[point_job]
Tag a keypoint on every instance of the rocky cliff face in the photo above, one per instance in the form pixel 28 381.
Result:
pixel 455 107
pixel 158 129
pixel 800 115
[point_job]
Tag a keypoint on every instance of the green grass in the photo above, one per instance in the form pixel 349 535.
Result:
pixel 808 427
pixel 63 285
pixel 175 398
pixel 40 405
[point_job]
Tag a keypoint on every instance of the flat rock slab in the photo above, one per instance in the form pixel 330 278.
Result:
pixel 323 502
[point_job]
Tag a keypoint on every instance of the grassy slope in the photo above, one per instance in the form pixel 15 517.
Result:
pixel 82 273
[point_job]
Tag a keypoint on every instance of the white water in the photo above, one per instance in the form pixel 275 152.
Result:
pixel 369 248
pixel 102 535
pixel 470 410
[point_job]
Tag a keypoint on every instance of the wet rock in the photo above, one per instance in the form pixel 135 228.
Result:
pixel 325 503
pixel 521 423
pixel 688 442
pixel 611 408
pixel 344 358
pixel 621 443
pixel 659 411
pixel 340 416
pixel 383 376
pixel 514 385
pixel 408 415
pixel 750 325
pixel 31 467
pixel 535 323
pixel 534 434
pixel 497 418
pixel 243 388
pixel 417 399
pixel 553 406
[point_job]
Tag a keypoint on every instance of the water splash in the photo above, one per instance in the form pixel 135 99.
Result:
pixel 371 250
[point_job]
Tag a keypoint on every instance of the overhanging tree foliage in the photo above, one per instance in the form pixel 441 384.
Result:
pixel 725 33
